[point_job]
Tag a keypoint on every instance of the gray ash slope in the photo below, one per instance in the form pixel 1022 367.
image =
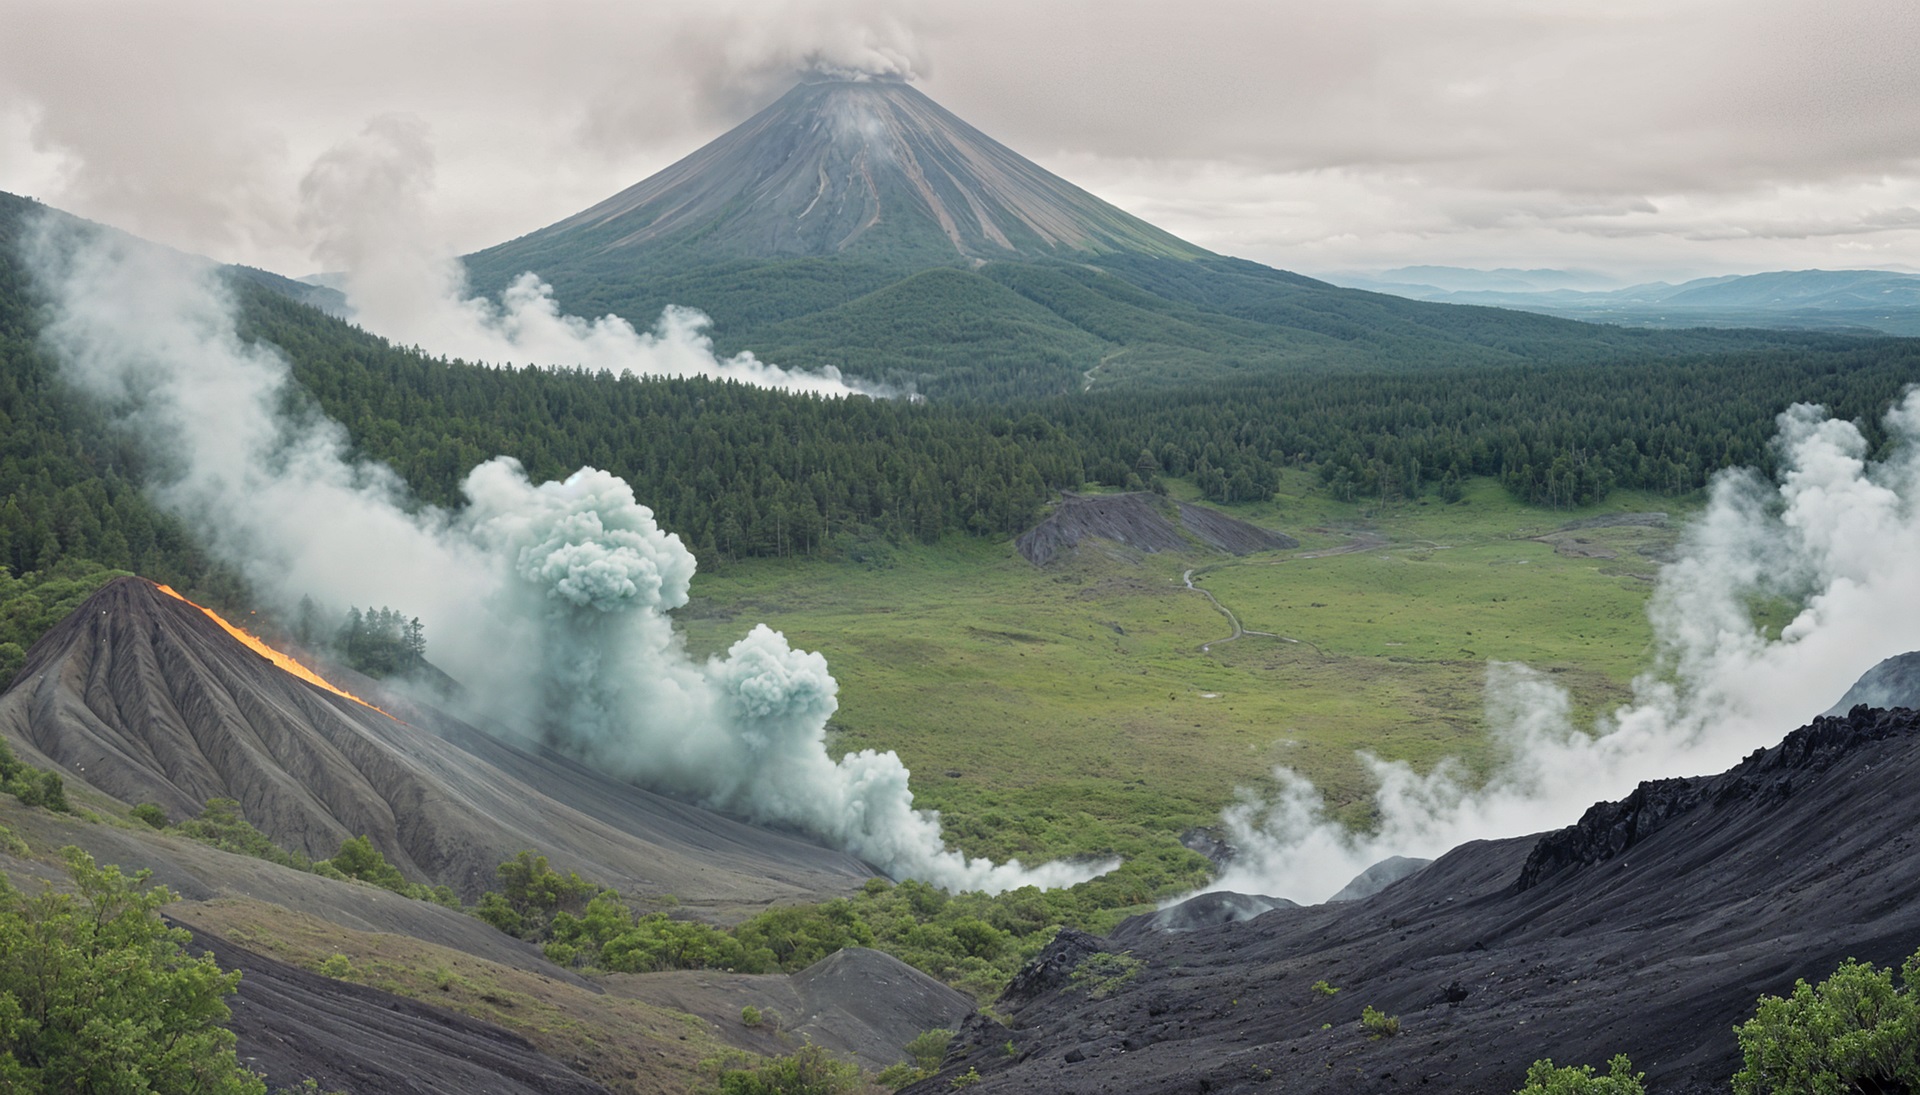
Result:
pixel 1144 522
pixel 142 697
pixel 1649 928
pixel 294 1026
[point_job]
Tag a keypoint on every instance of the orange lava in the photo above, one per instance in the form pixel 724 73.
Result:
pixel 258 646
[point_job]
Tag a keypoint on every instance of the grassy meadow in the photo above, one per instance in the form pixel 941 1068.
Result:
pixel 1093 706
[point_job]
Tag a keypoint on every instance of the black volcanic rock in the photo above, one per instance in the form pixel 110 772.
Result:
pixel 144 698
pixel 1201 911
pixel 1663 919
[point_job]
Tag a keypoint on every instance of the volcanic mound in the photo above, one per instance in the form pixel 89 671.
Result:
pixel 1145 522
pixel 146 698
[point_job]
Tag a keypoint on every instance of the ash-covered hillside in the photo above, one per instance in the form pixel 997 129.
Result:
pixel 145 698
pixel 1649 929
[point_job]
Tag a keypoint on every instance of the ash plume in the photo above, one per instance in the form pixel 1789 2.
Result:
pixel 549 600
pixel 367 199
pixel 1833 538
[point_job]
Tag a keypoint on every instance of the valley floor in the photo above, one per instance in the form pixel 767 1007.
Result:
pixel 1104 702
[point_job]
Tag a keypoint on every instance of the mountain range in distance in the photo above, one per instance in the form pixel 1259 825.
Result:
pixel 1867 301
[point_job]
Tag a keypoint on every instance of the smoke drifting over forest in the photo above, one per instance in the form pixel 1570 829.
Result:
pixel 366 201
pixel 548 600
pixel 1833 539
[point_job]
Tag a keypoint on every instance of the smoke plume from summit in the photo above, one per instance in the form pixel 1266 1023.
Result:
pixel 366 199
pixel 1834 538
pixel 549 600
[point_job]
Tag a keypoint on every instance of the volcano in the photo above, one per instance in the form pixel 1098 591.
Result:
pixel 144 697
pixel 859 224
pixel 868 168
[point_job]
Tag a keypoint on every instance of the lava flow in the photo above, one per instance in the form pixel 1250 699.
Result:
pixel 258 646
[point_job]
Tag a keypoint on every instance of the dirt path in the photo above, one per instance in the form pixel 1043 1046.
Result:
pixel 1238 631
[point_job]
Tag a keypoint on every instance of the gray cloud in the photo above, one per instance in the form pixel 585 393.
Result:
pixel 1305 134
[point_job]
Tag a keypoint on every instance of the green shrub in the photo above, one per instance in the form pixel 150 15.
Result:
pixel 337 966
pixel 749 1016
pixel 1852 1032
pixel 1379 1024
pixel 98 993
pixel 1324 989
pixel 1544 1079
pixel 808 1070
pixel 151 813
pixel 929 1048
pixel 359 859
pixel 221 825
pixel 1101 975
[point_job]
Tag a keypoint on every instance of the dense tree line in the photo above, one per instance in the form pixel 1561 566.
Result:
pixel 739 471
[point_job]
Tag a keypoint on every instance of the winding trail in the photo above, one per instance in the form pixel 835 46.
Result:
pixel 1238 631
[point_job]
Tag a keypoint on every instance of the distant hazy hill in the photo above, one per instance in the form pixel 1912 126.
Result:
pixel 1826 300
pixel 860 224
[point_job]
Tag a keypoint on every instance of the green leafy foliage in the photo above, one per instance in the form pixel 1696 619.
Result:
pixel 32 786
pixel 359 859
pixel 1101 975
pixel 149 813
pixel 809 1070
pixel 1378 1024
pixel 1853 1032
pixel 1620 1079
pixel 222 825
pixel 98 994
pixel 973 941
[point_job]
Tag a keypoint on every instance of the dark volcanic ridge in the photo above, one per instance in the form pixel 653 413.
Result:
pixel 1893 683
pixel 144 698
pixel 1145 522
pixel 1649 928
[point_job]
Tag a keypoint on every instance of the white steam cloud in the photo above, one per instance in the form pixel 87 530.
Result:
pixel 1835 537
pixel 366 198
pixel 548 600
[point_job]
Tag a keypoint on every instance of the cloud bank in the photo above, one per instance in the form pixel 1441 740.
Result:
pixel 1834 538
pixel 1312 136
pixel 549 600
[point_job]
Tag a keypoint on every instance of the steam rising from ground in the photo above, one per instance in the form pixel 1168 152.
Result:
pixel 549 600
pixel 1834 538
pixel 367 200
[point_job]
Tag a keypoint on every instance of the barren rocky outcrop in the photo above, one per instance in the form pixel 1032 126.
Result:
pixel 1145 522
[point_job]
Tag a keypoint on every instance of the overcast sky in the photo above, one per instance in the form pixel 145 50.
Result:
pixel 1643 138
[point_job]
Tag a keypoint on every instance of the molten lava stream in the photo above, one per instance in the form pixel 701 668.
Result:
pixel 258 646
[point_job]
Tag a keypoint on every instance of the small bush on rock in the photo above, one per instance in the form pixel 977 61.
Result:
pixel 1621 1079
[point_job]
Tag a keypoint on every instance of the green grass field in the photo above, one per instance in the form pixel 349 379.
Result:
pixel 1092 706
